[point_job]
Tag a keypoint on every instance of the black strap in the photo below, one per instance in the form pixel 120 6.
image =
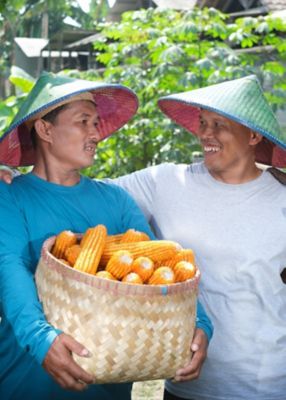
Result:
pixel 278 174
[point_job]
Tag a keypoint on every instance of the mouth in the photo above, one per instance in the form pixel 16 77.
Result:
pixel 211 149
pixel 90 148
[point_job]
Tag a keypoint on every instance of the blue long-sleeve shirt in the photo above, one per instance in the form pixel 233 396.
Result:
pixel 31 210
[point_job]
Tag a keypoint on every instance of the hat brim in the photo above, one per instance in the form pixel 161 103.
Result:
pixel 270 151
pixel 116 105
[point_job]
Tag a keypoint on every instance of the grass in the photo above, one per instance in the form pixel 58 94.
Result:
pixel 149 390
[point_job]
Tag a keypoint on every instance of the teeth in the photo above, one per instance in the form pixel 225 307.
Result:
pixel 208 149
pixel 89 148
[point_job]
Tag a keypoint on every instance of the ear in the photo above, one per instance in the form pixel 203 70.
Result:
pixel 255 138
pixel 43 130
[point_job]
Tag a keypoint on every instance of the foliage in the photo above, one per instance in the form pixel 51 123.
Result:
pixel 22 18
pixel 156 52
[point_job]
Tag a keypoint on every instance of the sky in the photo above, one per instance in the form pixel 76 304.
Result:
pixel 85 4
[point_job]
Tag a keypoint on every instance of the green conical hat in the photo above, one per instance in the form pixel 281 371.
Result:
pixel 241 100
pixel 116 104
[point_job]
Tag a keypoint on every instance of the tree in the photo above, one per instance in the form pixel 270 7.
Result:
pixel 158 52
pixel 34 18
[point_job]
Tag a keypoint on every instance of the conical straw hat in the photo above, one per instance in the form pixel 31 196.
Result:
pixel 116 104
pixel 241 100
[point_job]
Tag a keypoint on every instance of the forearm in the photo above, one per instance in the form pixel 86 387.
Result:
pixel 203 322
pixel 22 308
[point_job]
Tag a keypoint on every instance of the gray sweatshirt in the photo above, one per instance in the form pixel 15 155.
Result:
pixel 238 233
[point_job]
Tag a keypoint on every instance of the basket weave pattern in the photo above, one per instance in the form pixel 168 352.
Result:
pixel 134 332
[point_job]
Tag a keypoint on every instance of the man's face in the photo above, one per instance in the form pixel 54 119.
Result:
pixel 74 135
pixel 226 144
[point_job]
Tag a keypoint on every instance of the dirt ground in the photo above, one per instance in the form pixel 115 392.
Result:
pixel 149 390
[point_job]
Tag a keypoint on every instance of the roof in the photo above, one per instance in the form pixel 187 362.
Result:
pixel 223 5
pixel 274 5
pixel 83 43
pixel 31 47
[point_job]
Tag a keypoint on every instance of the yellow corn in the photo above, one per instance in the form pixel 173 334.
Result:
pixel 182 255
pixel 63 240
pixel 72 253
pixel 184 270
pixel 157 250
pixel 114 238
pixel 120 263
pixel 133 278
pixel 91 250
pixel 144 267
pixel 105 275
pixel 131 235
pixel 162 276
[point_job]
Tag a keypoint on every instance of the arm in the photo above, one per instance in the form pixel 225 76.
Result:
pixel 20 304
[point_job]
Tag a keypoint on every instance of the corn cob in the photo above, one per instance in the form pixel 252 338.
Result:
pixel 162 276
pixel 85 236
pixel 91 250
pixel 182 255
pixel 120 264
pixel 114 238
pixel 133 278
pixel 72 253
pixel 131 235
pixel 144 267
pixel 63 240
pixel 184 270
pixel 157 250
pixel 105 275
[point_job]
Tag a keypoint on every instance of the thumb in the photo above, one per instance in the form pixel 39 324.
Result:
pixel 75 347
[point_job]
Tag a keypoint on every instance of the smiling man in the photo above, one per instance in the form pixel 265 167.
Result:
pixel 231 213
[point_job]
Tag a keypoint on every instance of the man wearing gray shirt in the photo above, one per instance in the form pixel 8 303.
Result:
pixel 233 215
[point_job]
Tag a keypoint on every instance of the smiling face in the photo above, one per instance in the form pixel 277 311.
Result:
pixel 73 135
pixel 229 147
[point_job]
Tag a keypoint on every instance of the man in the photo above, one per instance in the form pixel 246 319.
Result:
pixel 57 130
pixel 232 214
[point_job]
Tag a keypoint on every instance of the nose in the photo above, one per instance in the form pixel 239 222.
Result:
pixel 205 132
pixel 93 133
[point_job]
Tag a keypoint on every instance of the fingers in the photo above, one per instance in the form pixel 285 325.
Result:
pixel 6 176
pixel 193 368
pixel 76 347
pixel 60 364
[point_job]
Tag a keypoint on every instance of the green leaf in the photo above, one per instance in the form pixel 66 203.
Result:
pixel 21 79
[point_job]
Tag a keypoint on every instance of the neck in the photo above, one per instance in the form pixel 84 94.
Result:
pixel 56 173
pixel 236 176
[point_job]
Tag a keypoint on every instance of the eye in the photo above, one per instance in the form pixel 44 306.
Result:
pixel 219 124
pixel 84 121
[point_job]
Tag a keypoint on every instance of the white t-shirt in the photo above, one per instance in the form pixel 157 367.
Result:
pixel 238 234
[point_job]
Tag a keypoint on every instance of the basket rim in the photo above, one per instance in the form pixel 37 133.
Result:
pixel 69 273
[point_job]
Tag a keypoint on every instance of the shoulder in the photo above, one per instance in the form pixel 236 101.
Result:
pixel 106 187
pixel 5 190
pixel 279 175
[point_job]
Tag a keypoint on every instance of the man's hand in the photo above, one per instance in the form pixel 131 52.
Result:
pixel 62 367
pixel 199 348
pixel 6 175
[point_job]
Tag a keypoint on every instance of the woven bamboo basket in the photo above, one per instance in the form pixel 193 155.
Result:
pixel 134 332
